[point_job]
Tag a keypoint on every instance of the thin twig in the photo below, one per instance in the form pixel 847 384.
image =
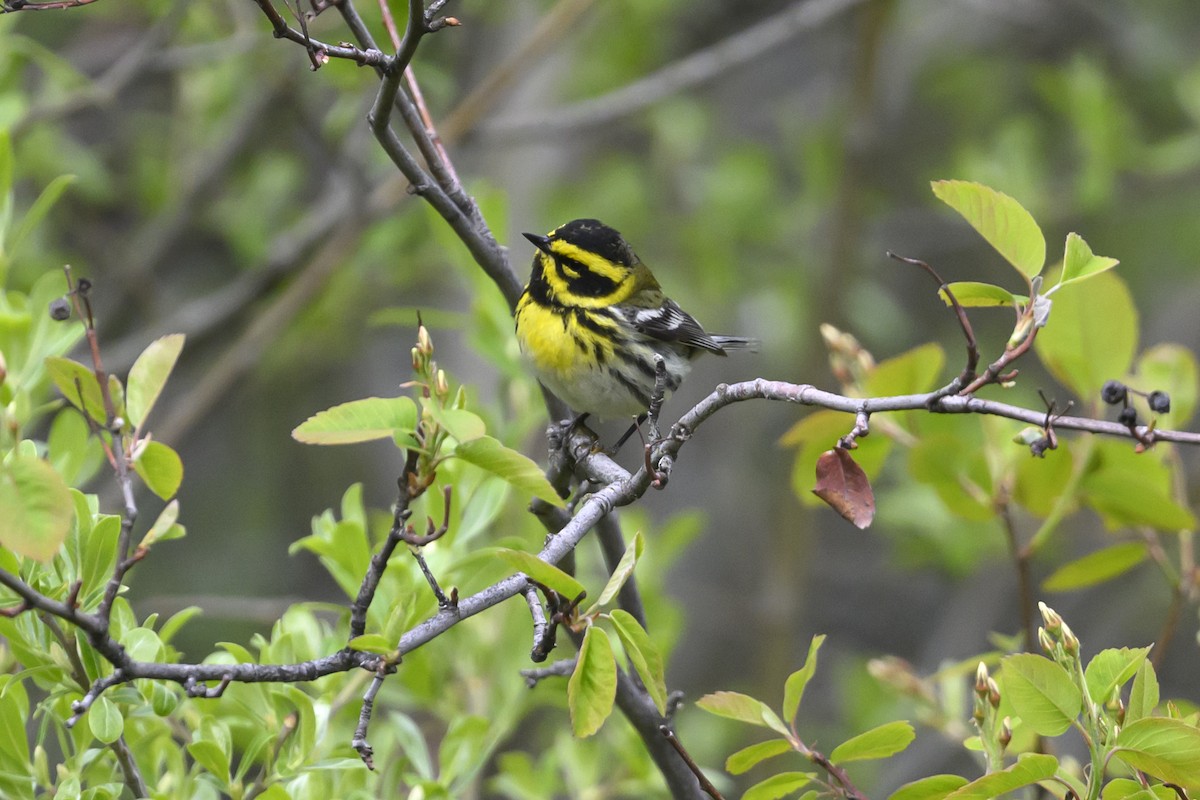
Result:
pixel 705 783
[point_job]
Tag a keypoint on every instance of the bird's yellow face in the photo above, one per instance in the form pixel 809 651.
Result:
pixel 588 265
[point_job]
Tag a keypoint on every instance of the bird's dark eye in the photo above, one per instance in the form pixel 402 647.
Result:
pixel 568 267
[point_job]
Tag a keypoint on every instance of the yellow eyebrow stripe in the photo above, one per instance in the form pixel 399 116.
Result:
pixel 597 264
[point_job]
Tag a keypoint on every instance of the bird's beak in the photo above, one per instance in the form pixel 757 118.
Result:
pixel 540 242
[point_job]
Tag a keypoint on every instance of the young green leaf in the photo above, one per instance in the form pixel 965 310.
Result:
pixel 643 655
pixel 793 688
pixel 912 372
pixel 935 787
pixel 1041 692
pixel 778 786
pixel 79 385
pixel 749 757
pixel 1001 220
pixel 622 572
pixel 1126 789
pixel 880 742
pixel 1168 749
pixel 515 468
pixel 1079 262
pixel 149 374
pixel 1030 768
pixel 1098 567
pixel 593 685
pixel 1110 668
pixel 359 421
pixel 160 467
pixel 372 643
pixel 36 507
pixel 41 206
pixel 1143 695
pixel 1092 335
pixel 743 708
pixel 165 527
pixel 973 294
pixel 105 720
pixel 463 425
pixel 543 573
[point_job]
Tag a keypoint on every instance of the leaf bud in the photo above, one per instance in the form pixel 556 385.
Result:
pixel 443 387
pixel 1051 618
pixel 1069 640
pixel 1160 402
pixel 1005 735
pixel 993 692
pixel 981 679
pixel 424 343
pixel 1047 643
pixel 1113 392
pixel 416 359
pixel 60 309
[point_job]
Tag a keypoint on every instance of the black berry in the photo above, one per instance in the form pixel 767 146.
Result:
pixel 60 309
pixel 1160 402
pixel 1113 392
pixel 1128 416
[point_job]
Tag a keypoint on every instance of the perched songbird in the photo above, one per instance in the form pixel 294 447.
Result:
pixel 593 317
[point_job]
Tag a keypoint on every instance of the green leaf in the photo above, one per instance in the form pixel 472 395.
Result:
pixel 793 688
pixel 209 755
pixel 543 573
pixel 160 467
pixel 643 655
pixel 1171 368
pixel 1127 498
pixel 1079 262
pixel 105 720
pixel 149 374
pixel 41 206
pixel 743 708
pixel 463 425
pixel 911 372
pixel 749 757
pixel 1166 748
pixel 1110 668
pixel 1041 692
pixel 1091 336
pixel 1143 695
pixel 520 471
pixel 1030 768
pixel 143 644
pixel 879 742
pixel 973 294
pixel 36 507
pixel 778 786
pixel 360 421
pixel 1098 567
pixel 73 380
pixel 622 571
pixel 935 787
pixel 1126 789
pixel 593 685
pixel 372 643
pixel 165 527
pixel 1000 219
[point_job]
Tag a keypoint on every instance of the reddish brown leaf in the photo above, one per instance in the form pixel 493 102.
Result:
pixel 843 485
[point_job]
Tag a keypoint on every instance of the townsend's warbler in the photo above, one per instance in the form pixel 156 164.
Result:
pixel 593 317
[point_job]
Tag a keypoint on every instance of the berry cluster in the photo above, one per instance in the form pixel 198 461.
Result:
pixel 1114 392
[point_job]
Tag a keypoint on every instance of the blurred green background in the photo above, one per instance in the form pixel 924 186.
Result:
pixel 760 156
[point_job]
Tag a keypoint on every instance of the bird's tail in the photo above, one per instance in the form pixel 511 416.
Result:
pixel 737 343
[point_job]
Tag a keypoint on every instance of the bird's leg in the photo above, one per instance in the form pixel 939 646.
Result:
pixel 625 436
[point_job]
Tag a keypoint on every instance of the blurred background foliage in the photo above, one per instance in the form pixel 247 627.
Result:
pixel 225 190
